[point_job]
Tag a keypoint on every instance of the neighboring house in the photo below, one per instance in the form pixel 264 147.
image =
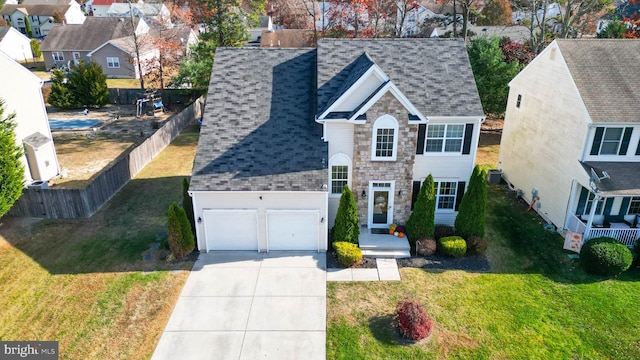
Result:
pixel 118 57
pixel 32 131
pixel 571 138
pixel 15 44
pixel 264 24
pixel 69 44
pixel 140 9
pixel 624 11
pixel 41 17
pixel 286 129
pixel 414 19
pixel 99 7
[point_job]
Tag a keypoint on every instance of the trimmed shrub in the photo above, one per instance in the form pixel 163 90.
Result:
pixel 346 227
pixel 348 253
pixel 443 231
pixel 476 245
pixel 179 234
pixel 413 322
pixel 187 204
pixel 426 247
pixel 472 209
pixel 453 246
pixel 605 256
pixel 421 221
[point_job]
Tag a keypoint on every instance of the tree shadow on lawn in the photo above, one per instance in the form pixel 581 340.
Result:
pixel 114 239
pixel 534 250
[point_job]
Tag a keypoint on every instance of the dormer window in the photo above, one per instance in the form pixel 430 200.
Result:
pixel 384 139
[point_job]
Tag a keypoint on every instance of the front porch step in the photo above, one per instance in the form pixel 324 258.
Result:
pixel 388 253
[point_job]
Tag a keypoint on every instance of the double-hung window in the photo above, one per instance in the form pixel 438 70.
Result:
pixel 634 206
pixel 446 195
pixel 339 165
pixel 113 62
pixel 446 138
pixel 589 204
pixel 611 141
pixel 58 56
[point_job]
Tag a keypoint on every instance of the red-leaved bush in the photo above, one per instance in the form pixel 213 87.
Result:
pixel 412 320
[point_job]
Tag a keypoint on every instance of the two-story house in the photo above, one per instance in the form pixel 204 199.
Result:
pixel 41 17
pixel 285 129
pixel 571 138
pixel 32 124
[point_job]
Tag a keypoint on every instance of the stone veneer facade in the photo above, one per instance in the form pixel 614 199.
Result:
pixel 400 170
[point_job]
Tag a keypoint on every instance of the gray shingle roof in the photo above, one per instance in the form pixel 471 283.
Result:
pixel 354 70
pixel 258 131
pixel 434 74
pixel 623 179
pixel 607 74
pixel 86 37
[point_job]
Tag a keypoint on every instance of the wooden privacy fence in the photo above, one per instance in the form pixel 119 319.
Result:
pixel 169 96
pixel 79 203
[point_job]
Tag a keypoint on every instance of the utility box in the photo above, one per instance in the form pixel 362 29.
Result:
pixel 494 176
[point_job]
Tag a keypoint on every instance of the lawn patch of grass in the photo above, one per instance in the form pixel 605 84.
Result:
pixel 83 281
pixel 123 83
pixel 535 304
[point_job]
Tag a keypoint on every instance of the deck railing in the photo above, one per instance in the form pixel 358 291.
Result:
pixel 625 236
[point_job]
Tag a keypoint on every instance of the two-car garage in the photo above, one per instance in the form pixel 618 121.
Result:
pixel 276 221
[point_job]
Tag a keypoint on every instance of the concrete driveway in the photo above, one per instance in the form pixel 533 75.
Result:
pixel 249 305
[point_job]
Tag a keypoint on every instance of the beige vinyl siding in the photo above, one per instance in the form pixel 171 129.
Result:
pixel 543 140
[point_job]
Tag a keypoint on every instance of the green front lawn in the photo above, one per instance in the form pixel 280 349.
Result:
pixel 536 303
pixel 83 282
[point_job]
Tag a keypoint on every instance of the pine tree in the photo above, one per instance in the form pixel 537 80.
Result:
pixel 88 85
pixel 27 26
pixel 60 95
pixel 187 204
pixel 472 209
pixel 179 233
pixel 346 227
pixel 11 168
pixel 421 223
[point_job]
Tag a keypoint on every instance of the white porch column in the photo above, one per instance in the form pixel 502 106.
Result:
pixel 592 213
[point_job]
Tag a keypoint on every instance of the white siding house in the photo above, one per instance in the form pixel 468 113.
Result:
pixel 271 157
pixel 32 131
pixel 571 110
pixel 15 44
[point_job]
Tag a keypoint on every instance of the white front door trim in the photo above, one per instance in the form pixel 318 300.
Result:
pixel 375 185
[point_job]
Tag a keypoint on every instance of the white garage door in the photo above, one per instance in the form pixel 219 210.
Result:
pixel 231 229
pixel 293 229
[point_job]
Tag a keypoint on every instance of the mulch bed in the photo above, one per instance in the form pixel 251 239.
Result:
pixel 436 262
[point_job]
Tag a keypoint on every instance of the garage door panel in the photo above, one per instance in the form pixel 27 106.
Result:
pixel 231 229
pixel 294 230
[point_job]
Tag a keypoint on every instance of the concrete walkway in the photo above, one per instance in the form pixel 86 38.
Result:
pixel 387 270
pixel 249 305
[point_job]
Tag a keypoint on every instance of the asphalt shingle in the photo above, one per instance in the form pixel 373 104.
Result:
pixel 623 179
pixel 434 74
pixel 606 73
pixel 258 131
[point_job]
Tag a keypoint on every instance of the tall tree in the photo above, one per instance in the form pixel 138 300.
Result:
pixel 496 12
pixel 11 168
pixel 27 26
pixel 574 13
pixel 472 209
pixel 402 11
pixel 614 30
pixel 226 23
pixel 187 204
pixel 179 233
pixel 349 18
pixel 136 45
pixel 421 223
pixel 492 73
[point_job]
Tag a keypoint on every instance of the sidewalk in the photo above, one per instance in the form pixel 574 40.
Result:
pixel 387 270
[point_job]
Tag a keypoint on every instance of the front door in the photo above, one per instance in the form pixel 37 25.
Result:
pixel 380 204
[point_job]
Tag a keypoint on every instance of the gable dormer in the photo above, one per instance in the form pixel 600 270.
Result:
pixel 365 84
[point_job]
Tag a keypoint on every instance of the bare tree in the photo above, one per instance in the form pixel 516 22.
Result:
pixel 136 45
pixel 574 13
